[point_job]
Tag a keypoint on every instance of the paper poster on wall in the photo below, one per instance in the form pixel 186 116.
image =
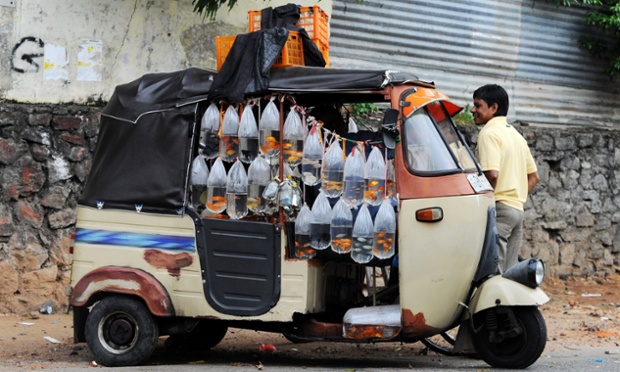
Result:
pixel 89 61
pixel 55 63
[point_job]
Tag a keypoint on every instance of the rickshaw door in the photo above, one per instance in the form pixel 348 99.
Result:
pixel 241 265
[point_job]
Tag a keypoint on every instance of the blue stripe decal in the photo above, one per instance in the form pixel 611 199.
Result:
pixel 136 240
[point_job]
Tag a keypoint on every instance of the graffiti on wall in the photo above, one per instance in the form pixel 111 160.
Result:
pixel 26 55
pixel 31 53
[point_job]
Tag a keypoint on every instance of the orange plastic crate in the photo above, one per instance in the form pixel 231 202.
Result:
pixel 312 18
pixel 324 51
pixel 292 52
pixel 315 21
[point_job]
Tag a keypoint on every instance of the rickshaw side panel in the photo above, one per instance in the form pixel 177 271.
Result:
pixel 163 246
pixel 179 269
pixel 438 260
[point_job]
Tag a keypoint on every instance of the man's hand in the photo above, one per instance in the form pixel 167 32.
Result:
pixel 492 176
pixel 532 180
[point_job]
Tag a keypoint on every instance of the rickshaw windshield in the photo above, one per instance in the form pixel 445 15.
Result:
pixel 433 144
pixel 452 138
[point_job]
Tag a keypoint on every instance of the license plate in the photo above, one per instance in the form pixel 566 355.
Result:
pixel 479 182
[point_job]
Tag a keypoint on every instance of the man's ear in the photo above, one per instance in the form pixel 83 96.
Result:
pixel 494 107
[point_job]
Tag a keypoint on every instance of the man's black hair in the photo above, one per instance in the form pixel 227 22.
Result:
pixel 493 93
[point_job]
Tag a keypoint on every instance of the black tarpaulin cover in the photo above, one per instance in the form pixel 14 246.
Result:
pixel 248 64
pixel 288 16
pixel 155 92
pixel 142 165
pixel 144 147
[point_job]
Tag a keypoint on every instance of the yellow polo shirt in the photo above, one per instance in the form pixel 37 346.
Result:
pixel 501 148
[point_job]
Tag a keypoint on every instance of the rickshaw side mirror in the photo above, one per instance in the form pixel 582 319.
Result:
pixel 391 134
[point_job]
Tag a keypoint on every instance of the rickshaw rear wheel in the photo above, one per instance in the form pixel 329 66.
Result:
pixel 199 341
pixel 120 331
pixel 504 341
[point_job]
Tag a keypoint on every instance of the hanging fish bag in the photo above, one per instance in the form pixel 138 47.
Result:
pixel 293 138
pixel 302 234
pixel 248 136
pixel 312 157
pixel 332 171
pixel 198 181
pixel 320 226
pixel 209 128
pixel 341 228
pixel 237 191
pixel 363 231
pixel 216 188
pixel 353 194
pixel 384 231
pixel 269 130
pixel 229 142
pixel 258 178
pixel 375 173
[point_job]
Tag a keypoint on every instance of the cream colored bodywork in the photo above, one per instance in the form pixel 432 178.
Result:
pixel 437 261
pixel 299 281
pixel 499 291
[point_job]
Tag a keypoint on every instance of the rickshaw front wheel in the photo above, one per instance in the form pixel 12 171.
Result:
pixel 120 331
pixel 510 337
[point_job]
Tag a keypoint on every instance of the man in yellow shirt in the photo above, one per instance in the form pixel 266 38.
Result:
pixel 508 164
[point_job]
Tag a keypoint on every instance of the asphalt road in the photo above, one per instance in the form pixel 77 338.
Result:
pixel 589 359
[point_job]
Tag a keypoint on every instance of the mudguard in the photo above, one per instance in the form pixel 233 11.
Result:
pixel 499 291
pixel 113 279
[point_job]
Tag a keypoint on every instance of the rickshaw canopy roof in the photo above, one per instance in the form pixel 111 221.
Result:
pixel 163 91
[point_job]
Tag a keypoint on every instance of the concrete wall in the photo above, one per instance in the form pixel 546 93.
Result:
pixel 56 51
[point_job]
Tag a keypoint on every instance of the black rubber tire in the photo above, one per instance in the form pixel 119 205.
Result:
pixel 442 343
pixel 197 342
pixel 120 331
pixel 518 352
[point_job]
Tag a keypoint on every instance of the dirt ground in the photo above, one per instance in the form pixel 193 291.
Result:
pixel 582 313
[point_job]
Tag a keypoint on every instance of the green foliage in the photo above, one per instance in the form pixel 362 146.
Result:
pixel 209 8
pixel 361 109
pixel 604 15
pixel 464 117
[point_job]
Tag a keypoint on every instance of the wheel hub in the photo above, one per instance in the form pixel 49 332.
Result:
pixel 121 331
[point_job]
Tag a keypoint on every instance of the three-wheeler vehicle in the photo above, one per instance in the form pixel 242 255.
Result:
pixel 147 262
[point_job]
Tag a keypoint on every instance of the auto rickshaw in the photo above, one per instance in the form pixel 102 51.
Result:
pixel 148 263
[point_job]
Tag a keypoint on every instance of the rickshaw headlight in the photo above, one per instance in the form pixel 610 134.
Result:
pixel 530 272
pixel 539 272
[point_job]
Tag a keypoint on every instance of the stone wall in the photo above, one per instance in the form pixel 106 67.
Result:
pixel 572 217
pixel 45 154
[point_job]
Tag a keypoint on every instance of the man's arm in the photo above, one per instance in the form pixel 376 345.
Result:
pixel 492 176
pixel 532 180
